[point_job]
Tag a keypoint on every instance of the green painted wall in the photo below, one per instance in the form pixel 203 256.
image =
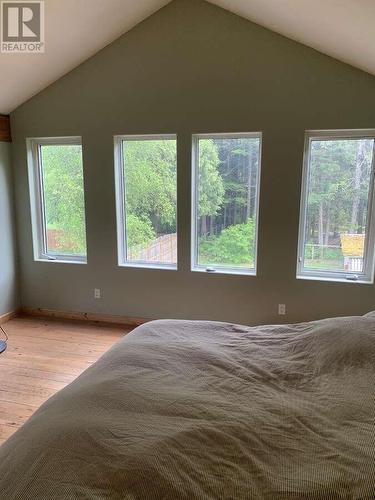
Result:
pixel 8 274
pixel 192 68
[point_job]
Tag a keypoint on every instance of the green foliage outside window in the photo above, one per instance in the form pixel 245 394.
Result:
pixel 227 178
pixel 234 246
pixel 64 198
pixel 210 182
pixel 150 183
pixel 337 198
pixel 139 231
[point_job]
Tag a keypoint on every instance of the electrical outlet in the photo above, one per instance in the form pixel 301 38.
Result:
pixel 282 309
pixel 97 293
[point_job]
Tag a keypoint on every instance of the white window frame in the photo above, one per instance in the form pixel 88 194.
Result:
pixel 37 205
pixel 121 202
pixel 217 269
pixel 367 275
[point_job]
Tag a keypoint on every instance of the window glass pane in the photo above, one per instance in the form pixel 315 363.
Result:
pixel 337 204
pixel 64 205
pixel 150 180
pixel 227 199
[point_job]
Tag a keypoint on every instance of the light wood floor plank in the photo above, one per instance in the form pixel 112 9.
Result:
pixel 43 356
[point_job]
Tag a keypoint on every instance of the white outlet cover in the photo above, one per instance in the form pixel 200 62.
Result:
pixel 282 309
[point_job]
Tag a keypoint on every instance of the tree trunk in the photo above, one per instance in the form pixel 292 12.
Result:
pixel 211 225
pixel 357 185
pixel 204 225
pixel 321 225
pixel 328 223
pixel 248 201
pixel 361 217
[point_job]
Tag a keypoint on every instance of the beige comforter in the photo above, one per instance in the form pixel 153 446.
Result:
pixel 181 409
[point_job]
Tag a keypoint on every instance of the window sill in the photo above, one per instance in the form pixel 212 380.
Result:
pixel 141 265
pixel 235 272
pixel 334 279
pixel 61 261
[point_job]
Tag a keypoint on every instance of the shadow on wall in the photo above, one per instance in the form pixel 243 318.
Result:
pixel 8 275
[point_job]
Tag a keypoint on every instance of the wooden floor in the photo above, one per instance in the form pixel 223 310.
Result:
pixel 43 356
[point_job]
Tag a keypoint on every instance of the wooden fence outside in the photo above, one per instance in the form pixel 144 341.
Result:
pixel 162 250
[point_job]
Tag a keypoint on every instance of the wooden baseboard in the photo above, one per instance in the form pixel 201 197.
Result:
pixel 88 317
pixel 8 316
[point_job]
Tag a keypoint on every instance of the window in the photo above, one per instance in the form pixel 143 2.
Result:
pixel 336 238
pixel 225 203
pixel 146 187
pixel 57 199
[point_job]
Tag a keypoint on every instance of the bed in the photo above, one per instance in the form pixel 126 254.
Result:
pixel 195 409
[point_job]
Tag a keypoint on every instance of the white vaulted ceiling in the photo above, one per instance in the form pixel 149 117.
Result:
pixel 74 31
pixel 77 29
pixel 343 29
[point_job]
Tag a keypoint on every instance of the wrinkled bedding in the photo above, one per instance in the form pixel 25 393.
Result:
pixel 182 409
